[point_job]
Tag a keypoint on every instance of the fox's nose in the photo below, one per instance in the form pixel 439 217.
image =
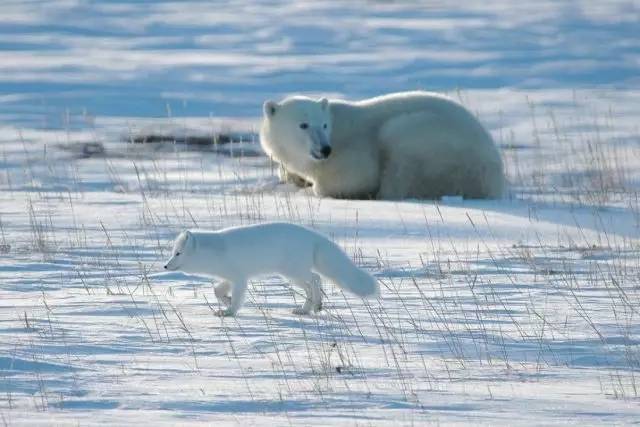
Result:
pixel 326 150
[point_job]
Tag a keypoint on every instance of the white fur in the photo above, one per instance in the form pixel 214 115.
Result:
pixel 402 145
pixel 240 253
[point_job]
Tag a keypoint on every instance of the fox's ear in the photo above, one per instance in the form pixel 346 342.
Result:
pixel 189 240
pixel 269 108
pixel 324 103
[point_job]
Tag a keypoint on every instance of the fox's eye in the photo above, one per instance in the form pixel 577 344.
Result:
pixel 324 126
pixel 304 125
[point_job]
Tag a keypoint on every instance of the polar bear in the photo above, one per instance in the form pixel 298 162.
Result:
pixel 401 145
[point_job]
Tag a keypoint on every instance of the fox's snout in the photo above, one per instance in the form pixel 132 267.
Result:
pixel 170 265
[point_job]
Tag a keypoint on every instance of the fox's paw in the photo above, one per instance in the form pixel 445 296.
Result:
pixel 225 313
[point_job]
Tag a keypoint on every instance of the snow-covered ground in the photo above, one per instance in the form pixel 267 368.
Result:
pixel 518 311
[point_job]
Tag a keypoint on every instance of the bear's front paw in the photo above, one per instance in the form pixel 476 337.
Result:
pixel 301 311
pixel 225 313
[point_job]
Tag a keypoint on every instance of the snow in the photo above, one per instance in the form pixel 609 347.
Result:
pixel 517 311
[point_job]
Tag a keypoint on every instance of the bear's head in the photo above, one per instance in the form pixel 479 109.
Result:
pixel 300 127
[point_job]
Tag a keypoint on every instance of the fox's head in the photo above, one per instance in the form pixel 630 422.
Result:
pixel 181 252
pixel 299 129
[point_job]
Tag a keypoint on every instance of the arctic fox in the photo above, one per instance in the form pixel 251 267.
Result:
pixel 292 251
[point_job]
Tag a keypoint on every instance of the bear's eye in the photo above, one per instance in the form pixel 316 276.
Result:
pixel 177 253
pixel 324 126
pixel 304 125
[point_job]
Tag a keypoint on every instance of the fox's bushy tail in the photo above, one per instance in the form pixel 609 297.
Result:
pixel 331 262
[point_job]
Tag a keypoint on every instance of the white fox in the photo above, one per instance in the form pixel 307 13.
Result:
pixel 297 253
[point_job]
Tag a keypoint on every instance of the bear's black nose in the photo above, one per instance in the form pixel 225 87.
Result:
pixel 165 267
pixel 326 150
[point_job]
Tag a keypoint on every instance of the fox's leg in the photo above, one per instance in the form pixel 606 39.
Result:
pixel 316 292
pixel 308 304
pixel 223 292
pixel 237 298
pixel 313 301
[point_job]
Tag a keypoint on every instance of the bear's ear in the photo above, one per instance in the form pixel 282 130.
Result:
pixel 269 108
pixel 324 103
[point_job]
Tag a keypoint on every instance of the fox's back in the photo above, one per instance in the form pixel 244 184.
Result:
pixel 263 247
pixel 270 231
